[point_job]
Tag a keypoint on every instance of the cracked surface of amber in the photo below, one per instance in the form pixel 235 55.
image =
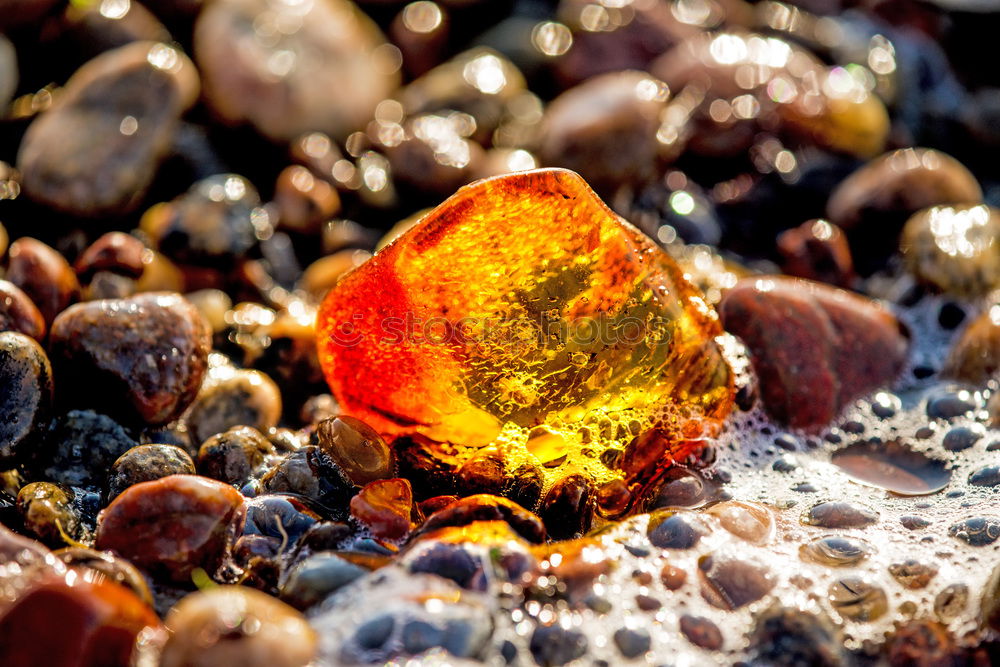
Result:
pixel 523 301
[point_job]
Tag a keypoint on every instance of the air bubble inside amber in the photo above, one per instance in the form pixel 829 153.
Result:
pixel 521 302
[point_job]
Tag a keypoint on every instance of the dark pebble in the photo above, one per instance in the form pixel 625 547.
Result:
pixel 960 438
pixel 43 275
pixel 19 313
pixel 356 448
pixel 116 252
pixel 80 448
pixel 676 530
pixel 283 518
pixel 976 531
pixel 988 476
pixel 483 507
pixel 701 632
pixel 145 463
pixel 25 396
pixel 233 456
pixel 451 561
pixel 730 584
pixel 308 473
pixel 787 637
pixel 914 522
pixel 313 579
pixel 234 397
pixel 553 645
pixel 632 643
pixel 568 507
pixel 374 633
pixel 950 405
pixel 836 514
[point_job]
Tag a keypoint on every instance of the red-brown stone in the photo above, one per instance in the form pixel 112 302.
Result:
pixel 386 507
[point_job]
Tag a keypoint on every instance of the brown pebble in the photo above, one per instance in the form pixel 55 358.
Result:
pixel 19 313
pixel 26 394
pixel 701 632
pixel 835 514
pixel 357 449
pixel 116 252
pixel 147 353
pixel 817 250
pixel 233 456
pixel 672 577
pixel 304 201
pixel 975 356
pixel 385 506
pixel 232 397
pixel 44 275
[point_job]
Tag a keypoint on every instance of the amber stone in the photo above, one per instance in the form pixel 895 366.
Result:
pixel 356 447
pixel 521 300
pixel 173 525
pixel 44 275
pixel 386 507
pixel 81 619
pixel 486 508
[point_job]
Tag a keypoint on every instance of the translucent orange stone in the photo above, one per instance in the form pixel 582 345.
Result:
pixel 523 301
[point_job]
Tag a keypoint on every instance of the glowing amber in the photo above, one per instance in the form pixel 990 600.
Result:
pixel 523 301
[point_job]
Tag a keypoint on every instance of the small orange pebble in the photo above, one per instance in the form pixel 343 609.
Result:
pixel 524 301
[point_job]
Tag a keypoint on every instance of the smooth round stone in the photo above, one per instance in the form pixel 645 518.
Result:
pixel 19 313
pixel 858 600
pixel 818 251
pixel 961 438
pixel 976 531
pixel 975 356
pixel 115 252
pixel 670 529
pixel 25 396
pixel 815 348
pixel 43 275
pixel 115 569
pixel 324 68
pixel 96 150
pixel 568 507
pixel 385 506
pixel 701 632
pixel 236 625
pixel 951 602
pixel 315 578
pixel 786 635
pixel 749 521
pixel 836 514
pixel 80 448
pixel 950 403
pixel 173 525
pixel 605 129
pixel 285 518
pixel 729 583
pixel 214 224
pixel 892 466
pixel 986 476
pixel 47 512
pixel 484 507
pixel 913 574
pixel 145 355
pixel 679 487
pixel 632 643
pixel 308 473
pixel 146 463
pixel 954 249
pixel 99 622
pixel 486 472
pixel 356 448
pixel 836 551
pixel 553 645
pixel 233 456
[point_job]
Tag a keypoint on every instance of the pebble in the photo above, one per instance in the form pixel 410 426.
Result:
pixel 961 438
pixel 148 353
pixel 986 476
pixel 451 561
pixel 8 71
pixel 173 525
pixel 836 550
pixel 814 348
pixel 485 472
pixel 326 69
pixel 923 642
pixel 605 129
pixel 817 250
pixel 874 202
pixel 954 249
pixel 669 529
pixel 568 507
pixel 25 396
pixel 913 574
pixel 632 643
pixel 80 448
pixel 99 622
pixel 116 252
pixel 304 201
pixel 729 583
pixel 838 514
pixel 789 636
pixel 236 625
pixel 858 600
pixel 96 150
pixel 315 578
pixel 233 456
pixel 553 645
pixel 681 487
pixel 975 356
pixel 44 276
pixel 213 225
pixel 672 577
pixel 112 568
pixel 357 449
pixel 19 313
pixel 483 507
pixel 976 531
pixel 948 404
pixel 308 473
pixel 951 601
pixel 385 507
pixel 701 632
pixel 145 463
pixel 48 513
pixel 748 521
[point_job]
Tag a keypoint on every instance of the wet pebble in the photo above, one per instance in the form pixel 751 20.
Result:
pixel 115 252
pixel 48 512
pixel 295 82
pixel 818 251
pixel 784 322
pixel 632 643
pixel 701 632
pixel 308 473
pixel 229 625
pixel 451 561
pixel 282 518
pixel 313 579
pixel 976 531
pixel 96 150
pixel 961 438
pixel 672 577
pixel 19 313
pixel 987 476
pixel 568 507
pixel 25 396
pixel 304 201
pixel 858 600
pixel 913 574
pixel 837 514
pixel 553 645
pixel 948 404
pixel 356 448
pixel 950 602
pixel 44 276
pixel 975 356
pixel 729 584
pixel 148 352
pixel 748 521
pixel 789 636
pixel 836 550
pixel 80 448
pixel 483 507
pixel 113 568
pixel 670 529
pixel 173 525
pixel 144 464
pixel 233 456
pixel 953 249
pixel 385 507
